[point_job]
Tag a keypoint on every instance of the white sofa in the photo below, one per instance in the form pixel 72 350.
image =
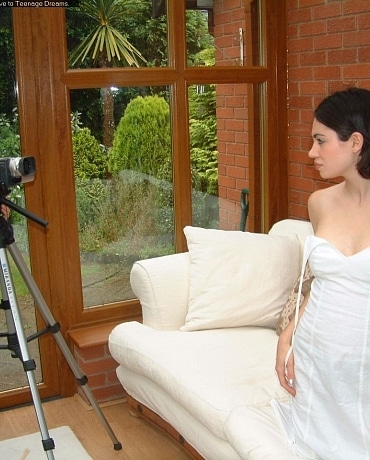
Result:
pixel 203 360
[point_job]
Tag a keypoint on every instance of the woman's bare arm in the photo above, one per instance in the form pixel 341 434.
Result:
pixel 285 370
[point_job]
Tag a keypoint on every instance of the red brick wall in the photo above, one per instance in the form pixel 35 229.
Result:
pixel 328 44
pixel 233 151
pixel 97 364
pixel 328 50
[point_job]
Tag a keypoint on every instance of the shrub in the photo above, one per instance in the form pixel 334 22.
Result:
pixel 89 194
pixel 142 141
pixel 205 170
pixel 90 158
pixel 113 210
pixel 203 138
pixel 10 144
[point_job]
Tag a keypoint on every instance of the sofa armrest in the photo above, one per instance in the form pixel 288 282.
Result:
pixel 162 286
pixel 301 229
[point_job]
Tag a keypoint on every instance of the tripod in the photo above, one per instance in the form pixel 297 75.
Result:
pixel 17 341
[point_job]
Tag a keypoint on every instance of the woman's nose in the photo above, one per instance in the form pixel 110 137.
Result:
pixel 312 152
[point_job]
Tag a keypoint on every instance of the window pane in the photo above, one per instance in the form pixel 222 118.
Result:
pixel 222 33
pixel 225 154
pixel 199 37
pixel 12 373
pixel 124 190
pixel 141 37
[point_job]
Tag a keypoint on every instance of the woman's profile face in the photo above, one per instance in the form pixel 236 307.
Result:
pixel 331 156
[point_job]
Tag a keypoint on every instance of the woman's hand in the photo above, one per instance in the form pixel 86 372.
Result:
pixel 5 211
pixel 285 363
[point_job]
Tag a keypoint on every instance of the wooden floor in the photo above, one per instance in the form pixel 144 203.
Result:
pixel 140 440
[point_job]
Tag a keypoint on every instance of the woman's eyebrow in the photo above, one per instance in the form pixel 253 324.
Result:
pixel 317 135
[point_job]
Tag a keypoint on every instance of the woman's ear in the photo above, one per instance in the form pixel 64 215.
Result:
pixel 357 141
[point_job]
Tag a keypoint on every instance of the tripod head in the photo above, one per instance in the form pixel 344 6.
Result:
pixel 14 171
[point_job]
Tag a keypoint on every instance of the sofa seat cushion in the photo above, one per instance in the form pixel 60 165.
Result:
pixel 207 372
pixel 146 392
pixel 255 434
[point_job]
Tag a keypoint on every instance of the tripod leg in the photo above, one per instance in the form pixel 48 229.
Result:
pixel 15 323
pixel 55 329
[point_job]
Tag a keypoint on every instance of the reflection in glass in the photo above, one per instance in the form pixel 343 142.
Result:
pixel 124 193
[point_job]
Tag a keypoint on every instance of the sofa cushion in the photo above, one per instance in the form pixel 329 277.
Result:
pixel 255 433
pixel 154 397
pixel 237 278
pixel 206 372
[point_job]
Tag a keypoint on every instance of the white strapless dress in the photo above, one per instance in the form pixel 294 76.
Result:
pixel 329 418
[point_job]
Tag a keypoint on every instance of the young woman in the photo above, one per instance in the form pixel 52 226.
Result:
pixel 327 369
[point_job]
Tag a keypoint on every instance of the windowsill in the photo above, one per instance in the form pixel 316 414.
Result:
pixel 92 336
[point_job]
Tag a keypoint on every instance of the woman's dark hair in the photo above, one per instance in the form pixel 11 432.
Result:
pixel 347 112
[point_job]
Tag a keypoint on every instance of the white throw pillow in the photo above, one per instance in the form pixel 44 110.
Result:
pixel 237 278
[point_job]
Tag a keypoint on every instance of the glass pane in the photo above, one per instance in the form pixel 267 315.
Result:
pixel 222 33
pixel 141 34
pixel 225 155
pixel 199 38
pixel 12 373
pixel 124 189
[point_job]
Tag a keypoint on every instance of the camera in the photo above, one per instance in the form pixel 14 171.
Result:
pixel 18 170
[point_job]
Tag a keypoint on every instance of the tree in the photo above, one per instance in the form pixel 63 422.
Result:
pixel 106 46
pixel 8 95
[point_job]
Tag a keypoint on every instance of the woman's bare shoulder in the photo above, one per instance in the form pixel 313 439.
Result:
pixel 325 195
pixel 321 201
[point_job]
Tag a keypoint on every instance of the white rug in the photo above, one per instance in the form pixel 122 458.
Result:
pixel 67 446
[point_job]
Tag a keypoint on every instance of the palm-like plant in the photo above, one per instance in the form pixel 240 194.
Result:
pixel 106 46
pixel 105 43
